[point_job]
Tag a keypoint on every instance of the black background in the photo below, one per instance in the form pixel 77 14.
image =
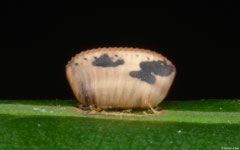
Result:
pixel 201 39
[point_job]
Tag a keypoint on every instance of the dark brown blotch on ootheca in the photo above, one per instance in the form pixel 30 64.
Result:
pixel 106 61
pixel 89 97
pixel 83 93
pixel 148 68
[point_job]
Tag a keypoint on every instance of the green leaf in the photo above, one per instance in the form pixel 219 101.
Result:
pixel 54 124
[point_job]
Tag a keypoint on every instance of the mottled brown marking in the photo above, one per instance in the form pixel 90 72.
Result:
pixel 83 92
pixel 93 98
